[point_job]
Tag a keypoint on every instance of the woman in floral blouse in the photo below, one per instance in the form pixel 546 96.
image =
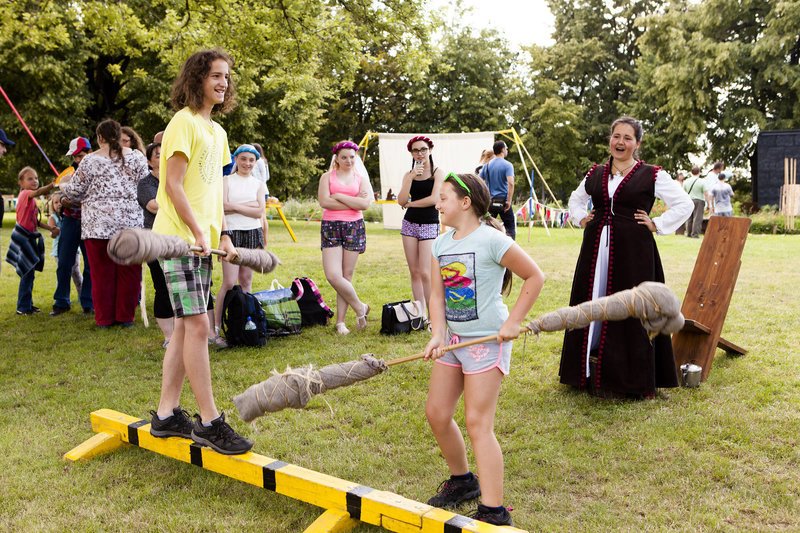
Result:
pixel 105 184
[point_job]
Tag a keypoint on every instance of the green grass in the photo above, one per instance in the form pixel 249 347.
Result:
pixel 721 457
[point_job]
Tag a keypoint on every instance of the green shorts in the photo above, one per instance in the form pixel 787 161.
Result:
pixel 188 283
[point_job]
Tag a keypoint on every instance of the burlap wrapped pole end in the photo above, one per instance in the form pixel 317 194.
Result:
pixel 295 386
pixel 134 246
pixel 262 261
pixel 651 302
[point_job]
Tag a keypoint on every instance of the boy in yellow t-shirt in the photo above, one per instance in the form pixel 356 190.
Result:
pixel 193 151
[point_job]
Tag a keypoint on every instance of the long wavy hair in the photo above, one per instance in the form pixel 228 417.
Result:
pixel 136 139
pixel 187 90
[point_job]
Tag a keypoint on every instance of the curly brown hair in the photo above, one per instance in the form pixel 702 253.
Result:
pixel 187 90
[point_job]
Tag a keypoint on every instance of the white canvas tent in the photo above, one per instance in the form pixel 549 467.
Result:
pixel 453 152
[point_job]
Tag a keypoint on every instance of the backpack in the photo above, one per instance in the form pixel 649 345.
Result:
pixel 238 305
pixel 313 309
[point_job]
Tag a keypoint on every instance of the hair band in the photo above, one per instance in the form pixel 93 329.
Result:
pixel 454 176
pixel 426 140
pixel 345 145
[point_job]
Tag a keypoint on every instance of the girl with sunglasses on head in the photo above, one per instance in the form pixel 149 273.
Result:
pixel 471 267
pixel 418 194
pixel 344 194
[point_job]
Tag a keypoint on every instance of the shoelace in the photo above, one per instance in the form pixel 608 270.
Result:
pixel 186 420
pixel 226 432
pixel 445 488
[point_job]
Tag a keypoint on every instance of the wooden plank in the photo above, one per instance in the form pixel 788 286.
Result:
pixel 710 290
pixel 101 443
pixel 730 347
pixel 340 497
pixel 693 326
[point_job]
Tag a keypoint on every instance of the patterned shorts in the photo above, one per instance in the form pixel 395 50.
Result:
pixel 188 283
pixel 479 357
pixel 248 238
pixel 352 236
pixel 421 232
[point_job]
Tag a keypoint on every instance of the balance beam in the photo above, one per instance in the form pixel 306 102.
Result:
pixel 345 503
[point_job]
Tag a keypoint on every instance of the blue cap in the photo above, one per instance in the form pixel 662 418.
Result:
pixel 5 140
pixel 247 148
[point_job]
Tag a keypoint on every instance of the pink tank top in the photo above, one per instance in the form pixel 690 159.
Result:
pixel 351 189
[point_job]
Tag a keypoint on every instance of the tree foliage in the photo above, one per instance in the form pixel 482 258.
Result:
pixel 702 76
pixel 68 64
pixel 714 73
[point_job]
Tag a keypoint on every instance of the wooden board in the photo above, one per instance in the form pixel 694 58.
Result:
pixel 345 502
pixel 709 292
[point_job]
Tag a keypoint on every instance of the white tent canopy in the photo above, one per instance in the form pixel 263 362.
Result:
pixel 452 152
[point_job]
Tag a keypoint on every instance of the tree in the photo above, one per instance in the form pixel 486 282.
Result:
pixel 717 72
pixel 75 62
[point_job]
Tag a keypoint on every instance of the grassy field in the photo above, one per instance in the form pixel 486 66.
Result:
pixel 724 457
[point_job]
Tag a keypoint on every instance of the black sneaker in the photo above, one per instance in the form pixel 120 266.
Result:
pixel 58 311
pixel 452 492
pixel 177 425
pixel 490 516
pixel 220 437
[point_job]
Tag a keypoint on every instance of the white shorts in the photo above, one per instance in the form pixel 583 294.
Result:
pixel 478 357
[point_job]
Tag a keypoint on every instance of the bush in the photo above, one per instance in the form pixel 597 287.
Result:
pixel 769 221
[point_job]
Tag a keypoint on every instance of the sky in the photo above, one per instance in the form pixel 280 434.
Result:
pixel 523 22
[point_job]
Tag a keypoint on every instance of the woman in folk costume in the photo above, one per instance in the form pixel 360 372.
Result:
pixel 617 359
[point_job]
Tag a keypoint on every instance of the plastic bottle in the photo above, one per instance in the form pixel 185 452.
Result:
pixel 249 325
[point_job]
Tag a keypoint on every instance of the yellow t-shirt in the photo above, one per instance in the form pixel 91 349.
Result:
pixel 206 147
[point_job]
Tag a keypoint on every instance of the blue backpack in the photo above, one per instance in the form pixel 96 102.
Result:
pixel 239 305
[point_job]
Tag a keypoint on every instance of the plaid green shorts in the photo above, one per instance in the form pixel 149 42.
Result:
pixel 189 283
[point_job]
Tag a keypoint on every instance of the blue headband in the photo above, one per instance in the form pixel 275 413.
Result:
pixel 249 148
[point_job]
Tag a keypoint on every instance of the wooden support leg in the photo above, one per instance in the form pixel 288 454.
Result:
pixel 332 521
pixel 101 443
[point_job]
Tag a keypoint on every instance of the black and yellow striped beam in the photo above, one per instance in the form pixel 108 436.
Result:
pixel 345 502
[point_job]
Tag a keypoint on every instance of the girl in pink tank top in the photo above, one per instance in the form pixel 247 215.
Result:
pixel 344 194
pixel 335 185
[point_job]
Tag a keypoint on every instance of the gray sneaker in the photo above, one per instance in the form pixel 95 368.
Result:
pixel 177 425
pixel 452 492
pixel 490 516
pixel 220 436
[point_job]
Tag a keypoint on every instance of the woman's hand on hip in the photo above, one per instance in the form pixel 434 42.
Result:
pixel 588 218
pixel 644 219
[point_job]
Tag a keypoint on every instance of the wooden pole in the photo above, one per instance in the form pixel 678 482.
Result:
pixel 785 192
pixel 794 194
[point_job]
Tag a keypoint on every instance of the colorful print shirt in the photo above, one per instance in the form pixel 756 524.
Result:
pixel 472 276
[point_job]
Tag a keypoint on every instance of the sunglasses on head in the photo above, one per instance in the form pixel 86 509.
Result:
pixel 458 180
